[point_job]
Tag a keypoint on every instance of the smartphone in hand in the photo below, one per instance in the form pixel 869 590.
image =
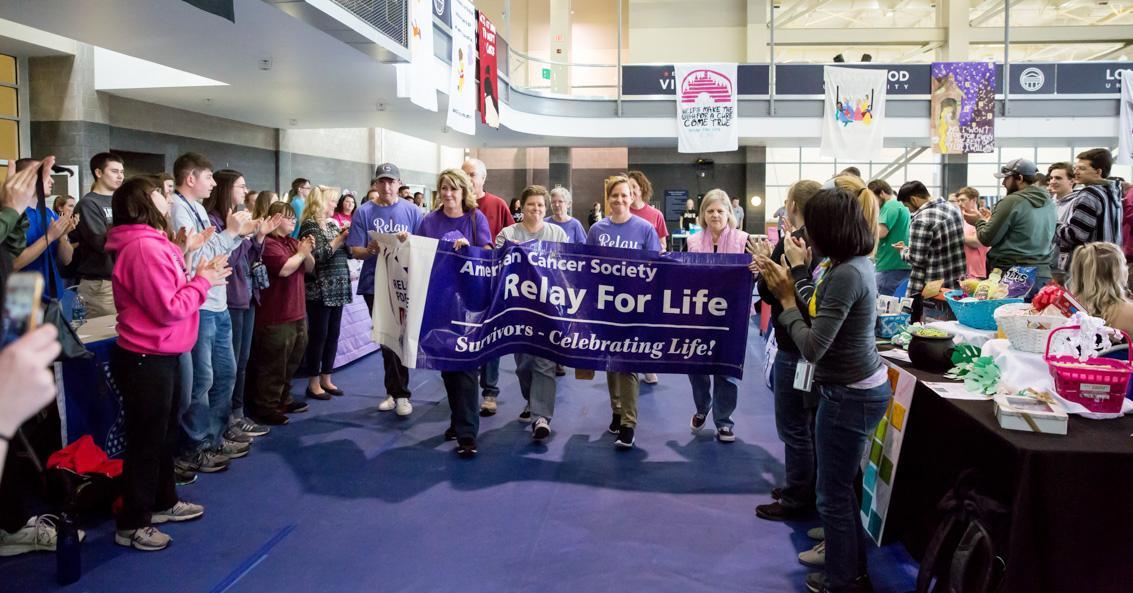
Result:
pixel 22 305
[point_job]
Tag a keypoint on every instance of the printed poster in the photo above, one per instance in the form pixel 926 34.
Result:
pixel 854 113
pixel 706 108
pixel 415 79
pixel 1125 134
pixel 963 107
pixel 883 450
pixel 462 76
pixel 488 73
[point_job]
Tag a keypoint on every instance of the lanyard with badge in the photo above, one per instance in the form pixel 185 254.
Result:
pixel 804 371
pixel 197 216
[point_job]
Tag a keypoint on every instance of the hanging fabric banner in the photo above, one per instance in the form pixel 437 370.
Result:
pixel 416 79
pixel 854 113
pixel 1125 135
pixel 584 306
pixel 706 108
pixel 963 107
pixel 487 73
pixel 462 78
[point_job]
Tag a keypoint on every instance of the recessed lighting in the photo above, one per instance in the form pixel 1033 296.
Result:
pixel 756 201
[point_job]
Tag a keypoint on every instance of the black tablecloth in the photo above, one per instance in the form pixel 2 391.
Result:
pixel 1071 529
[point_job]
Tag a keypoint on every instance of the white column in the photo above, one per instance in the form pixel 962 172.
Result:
pixel 560 45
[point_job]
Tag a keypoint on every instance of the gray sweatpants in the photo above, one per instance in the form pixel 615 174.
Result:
pixel 537 382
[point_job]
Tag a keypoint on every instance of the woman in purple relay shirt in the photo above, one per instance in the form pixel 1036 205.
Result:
pixel 458 220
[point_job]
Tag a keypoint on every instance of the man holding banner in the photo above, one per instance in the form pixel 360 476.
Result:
pixel 383 212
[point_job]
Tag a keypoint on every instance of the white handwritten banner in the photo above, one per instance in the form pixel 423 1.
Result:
pixel 854 113
pixel 462 76
pixel 706 108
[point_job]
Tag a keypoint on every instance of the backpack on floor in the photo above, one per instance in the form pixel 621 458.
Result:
pixel 966 553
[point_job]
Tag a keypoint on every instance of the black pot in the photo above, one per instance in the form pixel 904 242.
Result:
pixel 932 354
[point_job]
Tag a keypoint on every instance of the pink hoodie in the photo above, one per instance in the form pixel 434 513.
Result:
pixel 158 309
pixel 731 241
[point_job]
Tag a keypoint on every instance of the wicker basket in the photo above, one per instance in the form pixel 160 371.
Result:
pixel 1027 333
pixel 976 314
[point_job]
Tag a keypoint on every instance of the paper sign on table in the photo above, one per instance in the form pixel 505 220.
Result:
pixel 955 391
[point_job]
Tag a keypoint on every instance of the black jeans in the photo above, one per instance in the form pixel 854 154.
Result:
pixel 463 400
pixel 22 493
pixel 396 374
pixel 277 350
pixel 150 387
pixel 324 323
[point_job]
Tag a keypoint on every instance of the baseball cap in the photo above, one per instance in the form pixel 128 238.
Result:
pixel 1022 167
pixel 387 170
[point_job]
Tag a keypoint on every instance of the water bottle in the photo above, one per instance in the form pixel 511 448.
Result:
pixel 68 561
pixel 78 312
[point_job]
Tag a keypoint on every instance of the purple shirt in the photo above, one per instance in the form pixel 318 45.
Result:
pixel 635 233
pixel 241 290
pixel 441 227
pixel 402 215
pixel 572 227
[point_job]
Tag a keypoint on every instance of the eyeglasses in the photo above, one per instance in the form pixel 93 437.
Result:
pixel 288 217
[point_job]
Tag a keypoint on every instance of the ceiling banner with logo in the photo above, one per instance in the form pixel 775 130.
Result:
pixel 487 73
pixel 462 75
pixel 1125 135
pixel 706 108
pixel 963 107
pixel 854 113
pixel 415 79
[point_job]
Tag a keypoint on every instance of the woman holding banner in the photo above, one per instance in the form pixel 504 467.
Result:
pixel 536 374
pixel 717 392
pixel 458 220
pixel 622 229
pixel 851 382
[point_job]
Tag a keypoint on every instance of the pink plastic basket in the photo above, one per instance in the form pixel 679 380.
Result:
pixel 1100 388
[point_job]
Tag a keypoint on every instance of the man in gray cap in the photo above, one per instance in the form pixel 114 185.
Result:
pixel 383 212
pixel 1020 230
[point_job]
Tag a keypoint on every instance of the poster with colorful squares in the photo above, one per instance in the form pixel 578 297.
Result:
pixel 879 464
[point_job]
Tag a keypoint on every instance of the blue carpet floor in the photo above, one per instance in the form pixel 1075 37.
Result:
pixel 349 499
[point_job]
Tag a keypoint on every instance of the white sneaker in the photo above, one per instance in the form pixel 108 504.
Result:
pixel 387 404
pixel 37 535
pixel 146 539
pixel 404 408
pixel 182 511
pixel 650 378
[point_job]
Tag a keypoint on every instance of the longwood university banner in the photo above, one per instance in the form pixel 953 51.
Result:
pixel 854 113
pixel 707 119
pixel 462 76
pixel 583 306
pixel 489 76
pixel 1125 134
pixel 416 78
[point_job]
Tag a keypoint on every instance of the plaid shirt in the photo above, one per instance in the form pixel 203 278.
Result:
pixel 936 246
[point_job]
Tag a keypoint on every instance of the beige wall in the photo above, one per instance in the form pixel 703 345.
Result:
pixel 669 31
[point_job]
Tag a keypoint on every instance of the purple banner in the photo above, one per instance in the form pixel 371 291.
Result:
pixel 587 307
pixel 963 107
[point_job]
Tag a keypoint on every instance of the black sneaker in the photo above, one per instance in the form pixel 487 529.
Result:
pixel 541 430
pixel 525 415
pixel 816 583
pixel 698 421
pixel 615 424
pixel 724 434
pixel 466 447
pixel 777 512
pixel 450 434
pixel 273 419
pixel 625 438
pixel 560 370
pixel 296 408
pixel 183 476
pixel 776 494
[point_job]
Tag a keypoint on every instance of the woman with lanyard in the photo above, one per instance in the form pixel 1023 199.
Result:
pixel 851 382
pixel 624 230
pixel 457 219
pixel 794 409
pixel 719 236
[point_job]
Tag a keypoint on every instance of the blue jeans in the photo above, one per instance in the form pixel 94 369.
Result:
pixel 719 393
pixel 794 422
pixel 214 375
pixel 490 378
pixel 846 419
pixel 243 322
pixel 185 368
pixel 889 280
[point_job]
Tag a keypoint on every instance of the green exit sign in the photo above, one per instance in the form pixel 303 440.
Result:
pixel 546 74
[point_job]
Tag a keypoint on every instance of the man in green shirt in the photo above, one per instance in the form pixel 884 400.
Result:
pixel 892 229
